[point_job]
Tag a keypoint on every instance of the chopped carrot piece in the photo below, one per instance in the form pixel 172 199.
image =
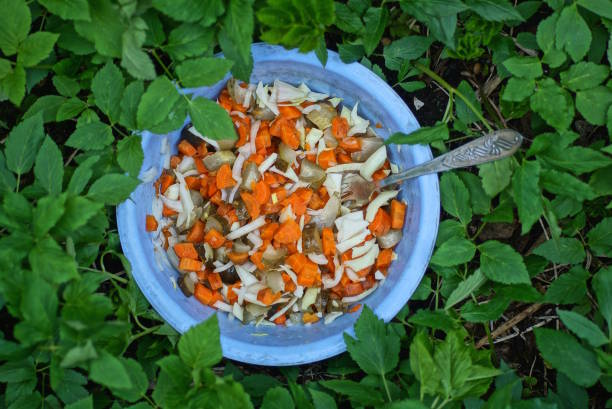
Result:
pixel 256 258
pixel 251 204
pixel 309 274
pixel 381 223
pixel 384 259
pixel 281 320
pixel 352 289
pixel 225 100
pixel 275 127
pixel 232 297
pixel 289 112
pixel 289 232
pixel 379 174
pixel 350 144
pixel 289 135
pixel 196 233
pixel 267 296
pixel 263 140
pixel 309 318
pixel 203 294
pixel 243 134
pixel 355 308
pixel 328 242
pixel 261 191
pixel 327 159
pixel 216 198
pixel 224 177
pixel 166 181
pixel 192 182
pixel 343 157
pixel 185 250
pixel 267 232
pixel 398 212
pixel 316 202
pixel 188 264
pixel 296 262
pixel 214 279
pixel 202 151
pixel 214 238
pixel 185 148
pixel 340 127
pixel 238 258
pixel 151 223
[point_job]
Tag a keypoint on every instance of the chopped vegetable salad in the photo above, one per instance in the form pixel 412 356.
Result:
pixel 256 225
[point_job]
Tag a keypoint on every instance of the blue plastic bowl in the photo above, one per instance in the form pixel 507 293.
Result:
pixel 295 345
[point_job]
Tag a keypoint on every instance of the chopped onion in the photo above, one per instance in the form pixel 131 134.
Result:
pixel 378 202
pixel 209 141
pixel 172 192
pixel 373 163
pixel 359 125
pixel 310 296
pixel 220 305
pixel 290 174
pixel 223 267
pixel 339 271
pixel 247 228
pixel 319 259
pixel 313 137
pixel 379 275
pixel 352 242
pixel 286 214
pixel 331 317
pixel 234 190
pixel 329 212
pixel 237 168
pixel 149 175
pixel 310 108
pixel 247 278
pixel 352 276
pixel 345 167
pixel 359 297
pixel 361 250
pixel 238 114
pixel 172 204
pixel 253 134
pixel 235 226
pixel 165 152
pixel 157 207
pixel 256 240
pixel 390 239
pixel 249 266
pixel 289 272
pixel 289 93
pixel 335 101
pixel 283 310
pixel 237 311
pixel 267 163
pixel 365 261
pixel 333 183
pixel 266 100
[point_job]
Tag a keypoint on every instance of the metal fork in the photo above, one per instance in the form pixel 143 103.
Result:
pixel 490 147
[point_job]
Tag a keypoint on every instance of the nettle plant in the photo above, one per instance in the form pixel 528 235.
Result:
pixel 524 242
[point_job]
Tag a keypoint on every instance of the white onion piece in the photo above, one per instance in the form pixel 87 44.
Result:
pixel 253 135
pixel 157 208
pixel 290 174
pixel 361 250
pixel 248 266
pixel 283 310
pixel 318 258
pixel 237 311
pixel 223 267
pixel 364 261
pixel 172 192
pixel 310 108
pixel 378 202
pixel 186 164
pixel 286 214
pixel 165 153
pixel 379 275
pixel 234 190
pixel 373 163
pixel 359 297
pixel 352 276
pixel 335 101
pixel 331 317
pixel 267 163
pixel 172 204
pixel 237 168
pixel 224 195
pixel 333 183
pixel 220 305
pixel 247 228
pixel 345 167
pixel 149 175
pixel 209 141
pixel 238 114
pixel 247 278
pixel 289 272
pixel 338 272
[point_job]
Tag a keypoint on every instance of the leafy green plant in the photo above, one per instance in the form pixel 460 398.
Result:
pixel 516 309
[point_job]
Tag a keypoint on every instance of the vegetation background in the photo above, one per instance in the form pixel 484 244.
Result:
pixel 516 308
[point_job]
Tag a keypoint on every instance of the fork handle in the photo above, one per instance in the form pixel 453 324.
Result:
pixel 490 147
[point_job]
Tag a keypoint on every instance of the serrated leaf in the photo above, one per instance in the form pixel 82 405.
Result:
pixel 424 135
pixel 203 71
pixel 130 154
pixel 602 284
pixel 107 87
pixel 572 33
pixel 524 67
pixel 423 365
pixel 553 104
pixel 186 10
pixel 138 379
pixel 7 179
pixel 78 211
pixel 199 347
pixel 235 37
pixel 48 260
pixel 565 184
pixel 156 103
pixel 527 194
pixel 13 85
pixel 584 75
pixel 405 49
pixel 376 19
pixel 35 48
pixel 66 86
pixel 455 197
pixel 465 288
pixel 456 250
pixel 501 263
pixel 68 9
pixel 133 58
pixel 567 356
pixel 376 348
pixel 583 328
pixel 22 144
pixel 494 10
pixel 600 238
pixel 85 403
pixel 601 7
pixel 105 29
pixel 495 176
pixel 109 371
pixel 49 167
pixel 129 104
pixel 485 312
pixel 517 89
pixel 569 288
pixel 481 202
pixel 81 175
pixel 15 23
pixel 48 105
pixel 69 109
pixel 545 34
pixel 563 250
pixel 277 398
pixel 357 392
pixel 48 211
pixel 464 113
pixel 210 119
pixel 92 136
pixel 189 40
pixel 112 188
pixel 593 104
pixel 453 360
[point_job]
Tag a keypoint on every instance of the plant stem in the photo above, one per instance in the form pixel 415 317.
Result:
pixel 452 90
pixel 143 333
pixel 386 387
pixel 160 62
pixel 111 275
pixel 478 231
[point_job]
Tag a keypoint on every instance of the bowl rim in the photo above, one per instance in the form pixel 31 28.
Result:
pixel 332 345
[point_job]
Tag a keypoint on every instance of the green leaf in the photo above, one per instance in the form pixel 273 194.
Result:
pixel 347 20
pixel 85 403
pixel 576 159
pixel 481 202
pixel 405 49
pixel 53 264
pixel 22 144
pixel 107 87
pixel 569 288
pixel 600 238
pixel 376 347
pixel 49 167
pixel 456 250
pixel 322 400
pixel 501 263
pixel 7 179
pixel 573 33
pixel 583 328
pixel 455 197
pixel 133 58
pixel 494 10
pixel 571 395
pixel 17 371
pixel 524 67
pixel 553 104
pixel 412 86
pixel 130 154
pixel 66 86
pixel 565 184
pixel 424 135
pixel 453 361
pixel 357 392
pixel 602 284
pixel 15 23
pixel 277 398
pixel 465 114
pixel 13 85
pixel 527 194
pixel 545 35
pixel 48 211
pixel 567 356
pixel 48 105
pixel 189 40
pixel 156 103
pixel 495 176
pixel 78 211
pixel 81 175
pixel 35 48
pixel 517 89
pixel 109 371
pixel 564 250
pixel 105 29
pixel 584 75
pixel 92 136
pixel 138 378
pixel 203 71
pixel 593 104
pixel 465 288
pixel 601 7
pixel 376 19
pixel 186 10
pixel 112 188
pixel 437 319
pixel 485 312
pixel 350 52
pixel 129 104
pixel 199 347
pixel 235 37
pixel 422 364
pixel 5 67
pixel 69 109
pixel 68 9
pixel 210 119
